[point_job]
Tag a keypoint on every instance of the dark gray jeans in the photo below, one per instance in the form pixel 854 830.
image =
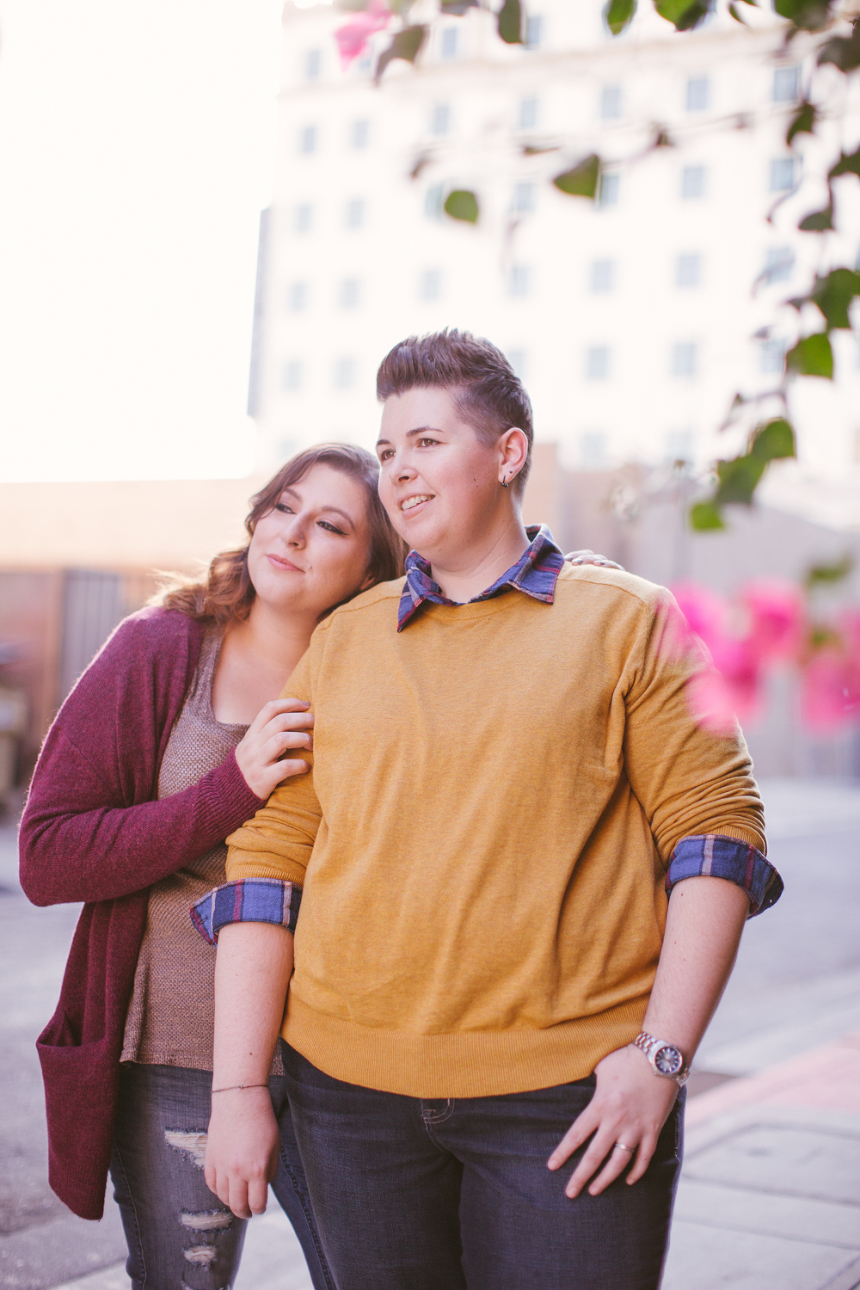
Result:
pixel 454 1194
pixel 180 1236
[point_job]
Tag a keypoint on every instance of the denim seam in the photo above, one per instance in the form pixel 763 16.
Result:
pixel 131 1202
pixel 311 1221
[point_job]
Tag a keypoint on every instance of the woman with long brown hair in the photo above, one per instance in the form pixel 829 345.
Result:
pixel 169 741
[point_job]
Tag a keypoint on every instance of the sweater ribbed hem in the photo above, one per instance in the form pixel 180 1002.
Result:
pixel 475 1063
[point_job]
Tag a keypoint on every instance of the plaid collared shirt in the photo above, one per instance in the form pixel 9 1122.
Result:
pixel 535 573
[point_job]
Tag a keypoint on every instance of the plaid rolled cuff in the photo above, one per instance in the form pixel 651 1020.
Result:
pixel 248 900
pixel 715 856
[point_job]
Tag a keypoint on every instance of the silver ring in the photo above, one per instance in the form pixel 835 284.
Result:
pixel 632 1150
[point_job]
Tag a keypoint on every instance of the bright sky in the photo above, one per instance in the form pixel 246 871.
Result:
pixel 136 148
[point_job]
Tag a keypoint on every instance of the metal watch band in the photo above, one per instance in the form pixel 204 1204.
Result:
pixel 650 1046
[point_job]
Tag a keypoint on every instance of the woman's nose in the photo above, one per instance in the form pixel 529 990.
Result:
pixel 295 533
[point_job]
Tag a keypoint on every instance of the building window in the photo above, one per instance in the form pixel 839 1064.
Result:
pixel 519 280
pixel 782 174
pixel 353 215
pixel 534 31
pixel 772 355
pixel 610 103
pixel 308 139
pixel 359 134
pixel 607 194
pixel 292 375
pixel 430 284
pixel 684 359
pixel 698 93
pixel 688 271
pixel 786 84
pixel 524 199
pixel 597 362
pixel 779 264
pixel 528 114
pixel 313 64
pixel 693 181
pixel 343 376
pixel 349 294
pixel 450 42
pixel 601 276
pixel 592 449
pixel 440 118
pixel 303 217
pixel 297 297
pixel 434 200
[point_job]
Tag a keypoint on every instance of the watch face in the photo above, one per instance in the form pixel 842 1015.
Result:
pixel 668 1060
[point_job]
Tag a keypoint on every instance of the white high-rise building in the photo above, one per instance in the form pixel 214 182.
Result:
pixel 632 319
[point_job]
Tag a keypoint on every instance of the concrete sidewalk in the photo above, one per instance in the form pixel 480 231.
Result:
pixel 770 1192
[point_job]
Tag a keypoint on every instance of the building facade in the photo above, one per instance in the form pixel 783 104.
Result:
pixel 633 319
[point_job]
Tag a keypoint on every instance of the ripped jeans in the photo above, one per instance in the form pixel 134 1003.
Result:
pixel 180 1236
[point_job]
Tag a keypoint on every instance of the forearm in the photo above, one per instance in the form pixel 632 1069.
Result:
pixel 703 930
pixel 252 976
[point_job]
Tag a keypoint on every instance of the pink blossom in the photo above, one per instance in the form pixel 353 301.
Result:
pixel 777 619
pixel 353 37
pixel 831 679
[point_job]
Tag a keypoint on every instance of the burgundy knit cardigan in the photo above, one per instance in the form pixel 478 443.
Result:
pixel 93 831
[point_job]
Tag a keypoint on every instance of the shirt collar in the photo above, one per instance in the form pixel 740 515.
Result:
pixel 535 574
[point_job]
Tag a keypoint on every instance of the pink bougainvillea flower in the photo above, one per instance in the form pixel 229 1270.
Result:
pixel 777 619
pixel 353 37
pixel 730 688
pixel 830 696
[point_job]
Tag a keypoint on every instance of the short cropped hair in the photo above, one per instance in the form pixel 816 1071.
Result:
pixel 485 388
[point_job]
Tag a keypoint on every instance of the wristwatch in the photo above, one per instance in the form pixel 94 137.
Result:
pixel 665 1058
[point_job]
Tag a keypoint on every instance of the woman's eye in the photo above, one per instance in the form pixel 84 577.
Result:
pixel 385 454
pixel 283 508
pixel 324 524
pixel 424 442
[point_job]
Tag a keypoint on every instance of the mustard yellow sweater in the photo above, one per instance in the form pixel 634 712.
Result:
pixel 494 798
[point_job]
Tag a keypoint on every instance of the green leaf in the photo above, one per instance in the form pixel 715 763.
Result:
pixel 405 45
pixel 738 479
pixel 818 221
pixel 705 516
pixel 511 22
pixel 618 14
pixel 848 164
pixel 582 180
pixel 810 15
pixel 463 205
pixel 834 295
pixel 842 51
pixel 824 574
pixel 811 356
pixel 683 14
pixel 803 122
pixel 773 441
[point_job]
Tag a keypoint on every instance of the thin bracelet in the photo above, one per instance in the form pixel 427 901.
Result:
pixel 232 1087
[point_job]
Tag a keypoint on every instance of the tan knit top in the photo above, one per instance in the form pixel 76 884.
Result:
pixel 171 1015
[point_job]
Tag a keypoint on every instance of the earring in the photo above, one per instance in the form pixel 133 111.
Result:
pixel 505 482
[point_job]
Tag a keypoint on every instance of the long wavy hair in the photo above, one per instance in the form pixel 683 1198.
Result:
pixel 226 592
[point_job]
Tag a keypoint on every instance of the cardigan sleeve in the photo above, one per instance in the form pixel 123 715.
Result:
pixel 91 830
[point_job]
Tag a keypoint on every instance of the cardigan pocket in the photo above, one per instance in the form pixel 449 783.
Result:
pixel 81 1087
